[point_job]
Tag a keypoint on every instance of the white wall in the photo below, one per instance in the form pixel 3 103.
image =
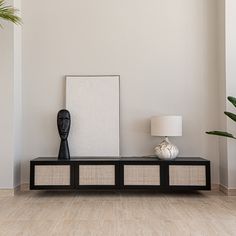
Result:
pixel 10 103
pixel 164 50
pixel 6 105
pixel 230 62
pixel 17 118
pixel 222 91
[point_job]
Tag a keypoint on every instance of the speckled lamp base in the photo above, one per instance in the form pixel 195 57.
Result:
pixel 166 150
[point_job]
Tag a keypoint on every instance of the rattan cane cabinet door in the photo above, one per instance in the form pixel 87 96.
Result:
pixel 187 175
pixel 141 175
pixel 52 175
pixel 97 175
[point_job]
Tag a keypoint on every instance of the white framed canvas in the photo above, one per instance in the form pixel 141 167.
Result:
pixel 93 102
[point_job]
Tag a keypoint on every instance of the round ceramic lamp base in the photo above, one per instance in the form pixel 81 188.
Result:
pixel 166 150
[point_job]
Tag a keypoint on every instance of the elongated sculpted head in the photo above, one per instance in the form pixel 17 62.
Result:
pixel 63 123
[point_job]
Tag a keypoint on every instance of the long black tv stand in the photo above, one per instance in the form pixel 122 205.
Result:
pixel 120 173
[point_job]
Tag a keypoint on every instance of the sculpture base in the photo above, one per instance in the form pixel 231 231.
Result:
pixel 166 150
pixel 64 153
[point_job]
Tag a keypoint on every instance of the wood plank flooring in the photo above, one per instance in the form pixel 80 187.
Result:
pixel 112 213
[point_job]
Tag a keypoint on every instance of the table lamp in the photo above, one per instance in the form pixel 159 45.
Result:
pixel 166 126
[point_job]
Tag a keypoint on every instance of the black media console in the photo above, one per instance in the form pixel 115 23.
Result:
pixel 120 173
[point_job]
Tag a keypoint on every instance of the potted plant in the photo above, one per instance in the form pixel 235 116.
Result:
pixel 232 116
pixel 8 13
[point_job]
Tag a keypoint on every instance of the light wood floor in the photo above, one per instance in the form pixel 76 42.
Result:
pixel 93 213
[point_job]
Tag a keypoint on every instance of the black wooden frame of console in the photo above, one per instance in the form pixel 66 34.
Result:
pixel 97 187
pixel 140 187
pixel 119 175
pixel 189 187
pixel 59 187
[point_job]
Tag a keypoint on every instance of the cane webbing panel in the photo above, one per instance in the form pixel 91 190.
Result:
pixel 96 175
pixel 52 175
pixel 187 175
pixel 141 175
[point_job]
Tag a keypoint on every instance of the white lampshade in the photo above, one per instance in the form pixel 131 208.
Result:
pixel 166 126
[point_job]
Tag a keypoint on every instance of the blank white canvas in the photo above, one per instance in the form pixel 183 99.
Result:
pixel 93 102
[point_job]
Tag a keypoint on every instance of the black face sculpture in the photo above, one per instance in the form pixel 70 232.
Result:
pixel 63 123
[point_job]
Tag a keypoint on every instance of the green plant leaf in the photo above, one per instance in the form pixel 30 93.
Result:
pixel 231 115
pixel 8 13
pixel 221 133
pixel 232 100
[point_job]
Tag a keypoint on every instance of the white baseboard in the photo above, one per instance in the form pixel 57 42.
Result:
pixel 215 187
pixel 24 187
pixel 228 191
pixel 14 191
pixel 6 192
